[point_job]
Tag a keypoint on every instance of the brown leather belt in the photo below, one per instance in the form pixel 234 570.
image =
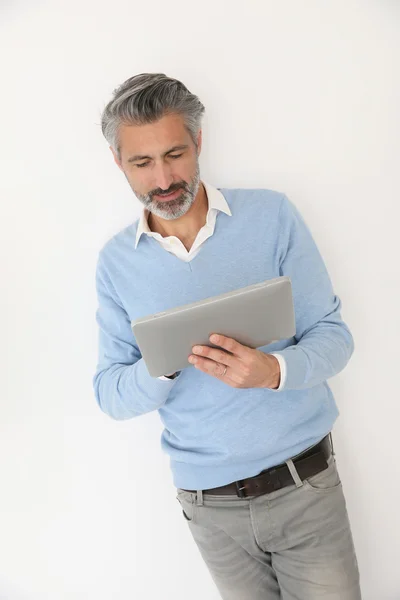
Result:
pixel 308 463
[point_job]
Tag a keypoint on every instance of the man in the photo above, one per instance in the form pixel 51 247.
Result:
pixel 248 430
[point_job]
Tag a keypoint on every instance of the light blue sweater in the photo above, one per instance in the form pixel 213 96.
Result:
pixel 213 433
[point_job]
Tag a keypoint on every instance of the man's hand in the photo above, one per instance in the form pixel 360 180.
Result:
pixel 246 367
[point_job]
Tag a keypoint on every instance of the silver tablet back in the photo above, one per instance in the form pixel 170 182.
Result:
pixel 255 316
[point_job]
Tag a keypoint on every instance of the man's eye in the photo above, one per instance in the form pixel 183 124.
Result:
pixel 146 163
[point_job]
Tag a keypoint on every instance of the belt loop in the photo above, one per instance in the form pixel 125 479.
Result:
pixel 330 437
pixel 199 498
pixel 294 472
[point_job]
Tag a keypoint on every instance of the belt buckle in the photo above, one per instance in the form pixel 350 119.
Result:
pixel 239 489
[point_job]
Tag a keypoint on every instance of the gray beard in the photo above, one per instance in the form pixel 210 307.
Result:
pixel 173 209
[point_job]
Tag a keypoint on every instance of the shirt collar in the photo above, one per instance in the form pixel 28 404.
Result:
pixel 216 200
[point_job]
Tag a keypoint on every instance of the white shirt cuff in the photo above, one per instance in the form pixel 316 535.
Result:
pixel 283 367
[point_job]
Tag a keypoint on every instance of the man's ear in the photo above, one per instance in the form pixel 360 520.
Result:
pixel 199 140
pixel 116 159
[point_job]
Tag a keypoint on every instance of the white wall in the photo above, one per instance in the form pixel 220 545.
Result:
pixel 301 97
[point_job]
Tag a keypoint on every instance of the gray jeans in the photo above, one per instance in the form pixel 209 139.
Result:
pixel 294 543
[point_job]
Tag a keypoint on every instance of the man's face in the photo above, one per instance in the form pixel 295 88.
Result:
pixel 160 158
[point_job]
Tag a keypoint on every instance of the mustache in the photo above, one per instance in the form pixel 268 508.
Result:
pixel 170 190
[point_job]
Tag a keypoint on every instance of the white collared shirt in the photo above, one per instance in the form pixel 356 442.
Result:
pixel 216 201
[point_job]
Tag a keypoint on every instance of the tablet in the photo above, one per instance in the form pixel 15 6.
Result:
pixel 255 315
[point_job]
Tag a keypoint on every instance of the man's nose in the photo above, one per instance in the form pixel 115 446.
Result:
pixel 163 178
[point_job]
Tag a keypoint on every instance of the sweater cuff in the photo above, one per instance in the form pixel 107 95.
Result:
pixel 296 368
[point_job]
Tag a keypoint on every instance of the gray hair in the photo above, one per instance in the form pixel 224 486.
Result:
pixel 145 98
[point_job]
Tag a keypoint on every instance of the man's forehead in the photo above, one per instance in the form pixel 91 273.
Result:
pixel 157 136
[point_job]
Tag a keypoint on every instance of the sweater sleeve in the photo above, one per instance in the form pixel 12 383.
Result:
pixel 122 384
pixel 324 343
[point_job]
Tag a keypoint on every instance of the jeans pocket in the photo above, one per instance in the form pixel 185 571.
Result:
pixel 186 501
pixel 325 481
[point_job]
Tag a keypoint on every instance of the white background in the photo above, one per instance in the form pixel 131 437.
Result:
pixel 301 97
